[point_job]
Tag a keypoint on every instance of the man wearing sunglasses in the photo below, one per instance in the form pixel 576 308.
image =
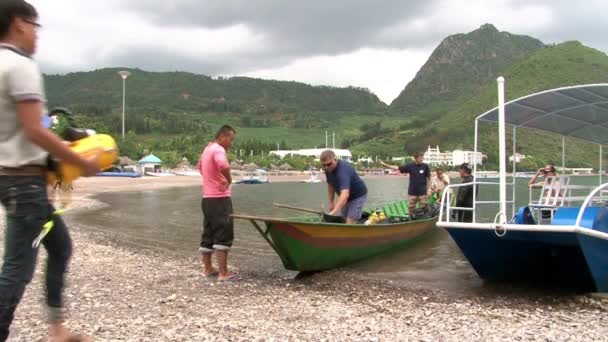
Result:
pixel 342 179
pixel 24 147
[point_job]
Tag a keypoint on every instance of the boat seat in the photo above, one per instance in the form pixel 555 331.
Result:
pixel 396 209
pixel 552 196
pixel 595 217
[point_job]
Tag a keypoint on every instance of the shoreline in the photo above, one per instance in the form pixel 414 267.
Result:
pixel 117 292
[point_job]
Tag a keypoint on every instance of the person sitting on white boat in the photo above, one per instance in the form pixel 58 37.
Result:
pixel 464 198
pixel 548 172
pixel 438 184
pixel 342 179
pixel 420 176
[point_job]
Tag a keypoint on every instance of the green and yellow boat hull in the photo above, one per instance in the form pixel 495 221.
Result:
pixel 310 245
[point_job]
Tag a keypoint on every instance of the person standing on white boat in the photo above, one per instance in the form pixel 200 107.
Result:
pixel 342 179
pixel 464 198
pixel 438 184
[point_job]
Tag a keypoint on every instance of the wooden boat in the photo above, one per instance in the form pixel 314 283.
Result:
pixel 308 244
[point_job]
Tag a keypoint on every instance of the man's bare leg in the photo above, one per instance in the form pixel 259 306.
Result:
pixel 222 260
pixel 350 221
pixel 207 265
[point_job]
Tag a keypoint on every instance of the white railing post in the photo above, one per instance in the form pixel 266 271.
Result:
pixel 513 178
pixel 502 148
pixel 475 171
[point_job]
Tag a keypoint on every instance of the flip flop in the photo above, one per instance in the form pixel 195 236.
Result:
pixel 232 277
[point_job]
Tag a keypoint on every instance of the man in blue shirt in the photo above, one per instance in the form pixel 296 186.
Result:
pixel 420 177
pixel 343 180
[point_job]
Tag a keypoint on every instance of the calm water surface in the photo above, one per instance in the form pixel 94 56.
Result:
pixel 172 219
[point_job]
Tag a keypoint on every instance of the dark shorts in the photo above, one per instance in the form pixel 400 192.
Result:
pixel 218 225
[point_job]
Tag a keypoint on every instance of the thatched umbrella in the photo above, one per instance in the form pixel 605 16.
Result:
pixel 235 166
pixel 286 167
pixel 251 167
pixel 273 167
pixel 125 161
pixel 184 164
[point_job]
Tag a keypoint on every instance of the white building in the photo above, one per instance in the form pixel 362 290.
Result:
pixel 313 152
pixel 460 156
pixel 433 156
pixel 518 157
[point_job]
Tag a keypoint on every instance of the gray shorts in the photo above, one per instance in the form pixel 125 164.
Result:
pixel 354 208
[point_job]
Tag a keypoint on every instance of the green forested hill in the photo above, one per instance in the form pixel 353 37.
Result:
pixel 181 91
pixel 566 64
pixel 179 102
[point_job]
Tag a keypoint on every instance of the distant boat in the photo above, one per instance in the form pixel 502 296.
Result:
pixel 160 174
pixel 258 176
pixel 314 178
pixel 188 173
pixel 119 174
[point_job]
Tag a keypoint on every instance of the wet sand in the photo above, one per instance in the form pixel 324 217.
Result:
pixel 121 293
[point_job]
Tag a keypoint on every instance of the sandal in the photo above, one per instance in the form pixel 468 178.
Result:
pixel 230 278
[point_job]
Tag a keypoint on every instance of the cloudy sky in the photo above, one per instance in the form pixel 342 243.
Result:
pixel 377 44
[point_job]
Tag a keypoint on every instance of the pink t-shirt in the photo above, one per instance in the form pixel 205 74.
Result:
pixel 213 160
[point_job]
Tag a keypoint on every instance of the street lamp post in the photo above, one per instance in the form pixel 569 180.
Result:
pixel 124 74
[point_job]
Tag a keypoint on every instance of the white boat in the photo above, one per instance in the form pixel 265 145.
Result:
pixel 314 178
pixel 160 174
pixel 559 239
pixel 258 176
pixel 187 173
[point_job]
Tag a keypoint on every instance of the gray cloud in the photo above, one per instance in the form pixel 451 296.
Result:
pixel 585 21
pixel 294 28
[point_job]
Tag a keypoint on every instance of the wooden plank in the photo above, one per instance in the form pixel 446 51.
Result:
pixel 298 208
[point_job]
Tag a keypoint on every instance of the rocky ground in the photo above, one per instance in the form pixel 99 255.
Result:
pixel 121 293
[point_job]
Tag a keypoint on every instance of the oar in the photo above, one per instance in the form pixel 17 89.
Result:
pixel 298 208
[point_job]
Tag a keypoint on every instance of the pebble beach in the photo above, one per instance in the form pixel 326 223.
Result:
pixel 117 292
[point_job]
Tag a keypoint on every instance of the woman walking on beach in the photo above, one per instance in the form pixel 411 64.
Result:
pixel 24 147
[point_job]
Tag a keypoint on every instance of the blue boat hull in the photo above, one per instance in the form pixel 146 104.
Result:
pixel 536 257
pixel 250 181
pixel 596 254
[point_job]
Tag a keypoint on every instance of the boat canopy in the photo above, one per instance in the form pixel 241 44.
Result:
pixel 577 111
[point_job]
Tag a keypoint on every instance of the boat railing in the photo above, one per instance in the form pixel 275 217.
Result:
pixel 446 208
pixel 589 200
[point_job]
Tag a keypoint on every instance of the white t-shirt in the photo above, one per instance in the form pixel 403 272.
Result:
pixel 20 80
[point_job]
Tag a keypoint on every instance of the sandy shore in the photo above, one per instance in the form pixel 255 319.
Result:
pixel 117 293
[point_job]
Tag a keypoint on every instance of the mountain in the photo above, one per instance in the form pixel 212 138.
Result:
pixel 460 65
pixel 566 64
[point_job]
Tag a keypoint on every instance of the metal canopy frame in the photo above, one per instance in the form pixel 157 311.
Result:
pixel 579 111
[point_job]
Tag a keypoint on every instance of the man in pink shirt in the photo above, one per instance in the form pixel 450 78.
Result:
pixel 218 226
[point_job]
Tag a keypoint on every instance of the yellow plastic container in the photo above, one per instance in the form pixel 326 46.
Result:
pixel 101 144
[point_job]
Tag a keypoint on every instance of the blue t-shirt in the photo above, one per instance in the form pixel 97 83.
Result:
pixel 344 177
pixel 419 175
